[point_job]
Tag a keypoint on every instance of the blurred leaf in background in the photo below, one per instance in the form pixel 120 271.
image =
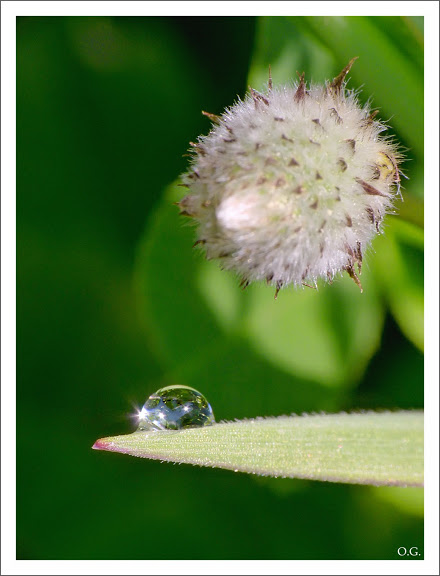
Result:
pixel 105 110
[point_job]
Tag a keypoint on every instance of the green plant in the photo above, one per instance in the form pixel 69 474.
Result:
pixel 105 109
pixel 370 448
pixel 328 337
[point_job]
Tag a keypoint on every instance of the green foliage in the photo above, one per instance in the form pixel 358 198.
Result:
pixel 370 448
pixel 390 70
pixel 327 336
pixel 398 266
pixel 105 109
pixel 389 65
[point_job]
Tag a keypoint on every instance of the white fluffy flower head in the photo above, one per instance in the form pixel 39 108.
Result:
pixel 292 185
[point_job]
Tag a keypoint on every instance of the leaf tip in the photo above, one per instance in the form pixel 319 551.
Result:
pixel 103 444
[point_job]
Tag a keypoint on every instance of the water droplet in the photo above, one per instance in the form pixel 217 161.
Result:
pixel 174 408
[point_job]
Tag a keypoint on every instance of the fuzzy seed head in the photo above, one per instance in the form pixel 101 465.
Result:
pixel 292 185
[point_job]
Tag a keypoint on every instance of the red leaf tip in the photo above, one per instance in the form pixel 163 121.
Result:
pixel 102 444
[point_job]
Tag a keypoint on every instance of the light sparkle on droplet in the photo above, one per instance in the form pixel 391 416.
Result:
pixel 175 408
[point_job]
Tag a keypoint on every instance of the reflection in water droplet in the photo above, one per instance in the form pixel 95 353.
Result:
pixel 174 408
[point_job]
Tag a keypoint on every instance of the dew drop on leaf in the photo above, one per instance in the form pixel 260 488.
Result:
pixel 175 408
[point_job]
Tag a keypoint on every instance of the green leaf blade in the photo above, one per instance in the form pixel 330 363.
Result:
pixel 361 448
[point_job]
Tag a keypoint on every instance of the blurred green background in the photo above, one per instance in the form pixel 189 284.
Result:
pixel 112 303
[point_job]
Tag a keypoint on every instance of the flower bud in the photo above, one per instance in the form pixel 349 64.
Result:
pixel 291 185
